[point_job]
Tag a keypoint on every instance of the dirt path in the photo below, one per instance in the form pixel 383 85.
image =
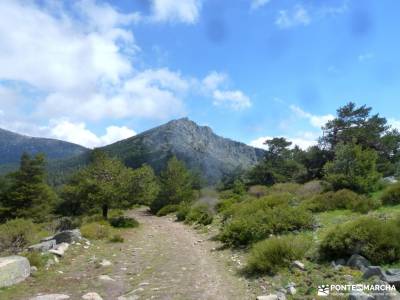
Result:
pixel 179 263
pixel 161 259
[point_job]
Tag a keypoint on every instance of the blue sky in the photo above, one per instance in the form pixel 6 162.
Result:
pixel 93 72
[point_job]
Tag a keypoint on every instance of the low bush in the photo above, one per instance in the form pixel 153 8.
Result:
pixel 123 222
pixel 96 230
pixel 288 187
pixel 36 259
pixel 342 199
pixel 275 253
pixel 391 195
pixel 373 238
pixel 16 234
pixel 182 212
pixel 200 214
pixel 67 223
pixel 168 209
pixel 310 189
pixel 116 238
pixel 258 191
pixel 255 219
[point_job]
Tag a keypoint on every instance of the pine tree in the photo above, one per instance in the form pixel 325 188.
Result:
pixel 176 185
pixel 29 196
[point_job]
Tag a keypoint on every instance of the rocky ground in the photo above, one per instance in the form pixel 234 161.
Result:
pixel 161 259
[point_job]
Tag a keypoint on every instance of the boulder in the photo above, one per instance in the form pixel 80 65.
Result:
pixel 92 296
pixel 389 295
pixel 67 236
pixel 60 249
pixel 105 263
pixel 359 262
pixel 106 278
pixel 392 280
pixel 299 265
pixel 43 246
pixel 51 297
pixel 393 271
pixel 268 297
pixel 13 269
pixel 373 271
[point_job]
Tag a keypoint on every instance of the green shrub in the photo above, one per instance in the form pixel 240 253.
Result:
pixel 310 189
pixel 258 191
pixel 96 230
pixel 391 195
pixel 371 237
pixel 255 219
pixel 123 222
pixel 36 259
pixel 16 234
pixel 168 209
pixel 67 223
pixel 200 214
pixel 116 238
pixel 182 212
pixel 275 253
pixel 92 218
pixel 342 199
pixel 288 187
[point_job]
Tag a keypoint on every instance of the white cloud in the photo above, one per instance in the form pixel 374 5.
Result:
pixel 186 11
pixel 315 120
pixel 298 15
pixel 82 63
pixel 60 54
pixel 394 123
pixel 255 4
pixel 234 99
pixel 303 140
pixel 213 80
pixel 365 56
pixel 79 134
pixel 216 85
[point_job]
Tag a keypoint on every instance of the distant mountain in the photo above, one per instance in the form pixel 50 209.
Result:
pixel 12 145
pixel 198 146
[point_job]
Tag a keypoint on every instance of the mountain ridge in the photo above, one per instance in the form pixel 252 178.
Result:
pixel 12 145
pixel 199 147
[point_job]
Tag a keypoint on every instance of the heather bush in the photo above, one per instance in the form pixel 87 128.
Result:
pixel 255 219
pixel 275 253
pixel 17 234
pixel 200 214
pixel 391 195
pixel 373 238
pixel 123 222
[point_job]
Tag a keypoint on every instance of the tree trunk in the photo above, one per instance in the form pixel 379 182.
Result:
pixel 105 211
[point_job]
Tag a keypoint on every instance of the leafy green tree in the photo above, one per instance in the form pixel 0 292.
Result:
pixel 29 196
pixel 176 185
pixel 313 159
pixel 144 187
pixel 353 168
pixel 103 184
pixel 278 165
pixel 354 125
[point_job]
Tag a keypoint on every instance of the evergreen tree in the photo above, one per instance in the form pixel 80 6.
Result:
pixel 102 185
pixel 144 187
pixel 29 196
pixel 353 168
pixel 278 165
pixel 176 185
